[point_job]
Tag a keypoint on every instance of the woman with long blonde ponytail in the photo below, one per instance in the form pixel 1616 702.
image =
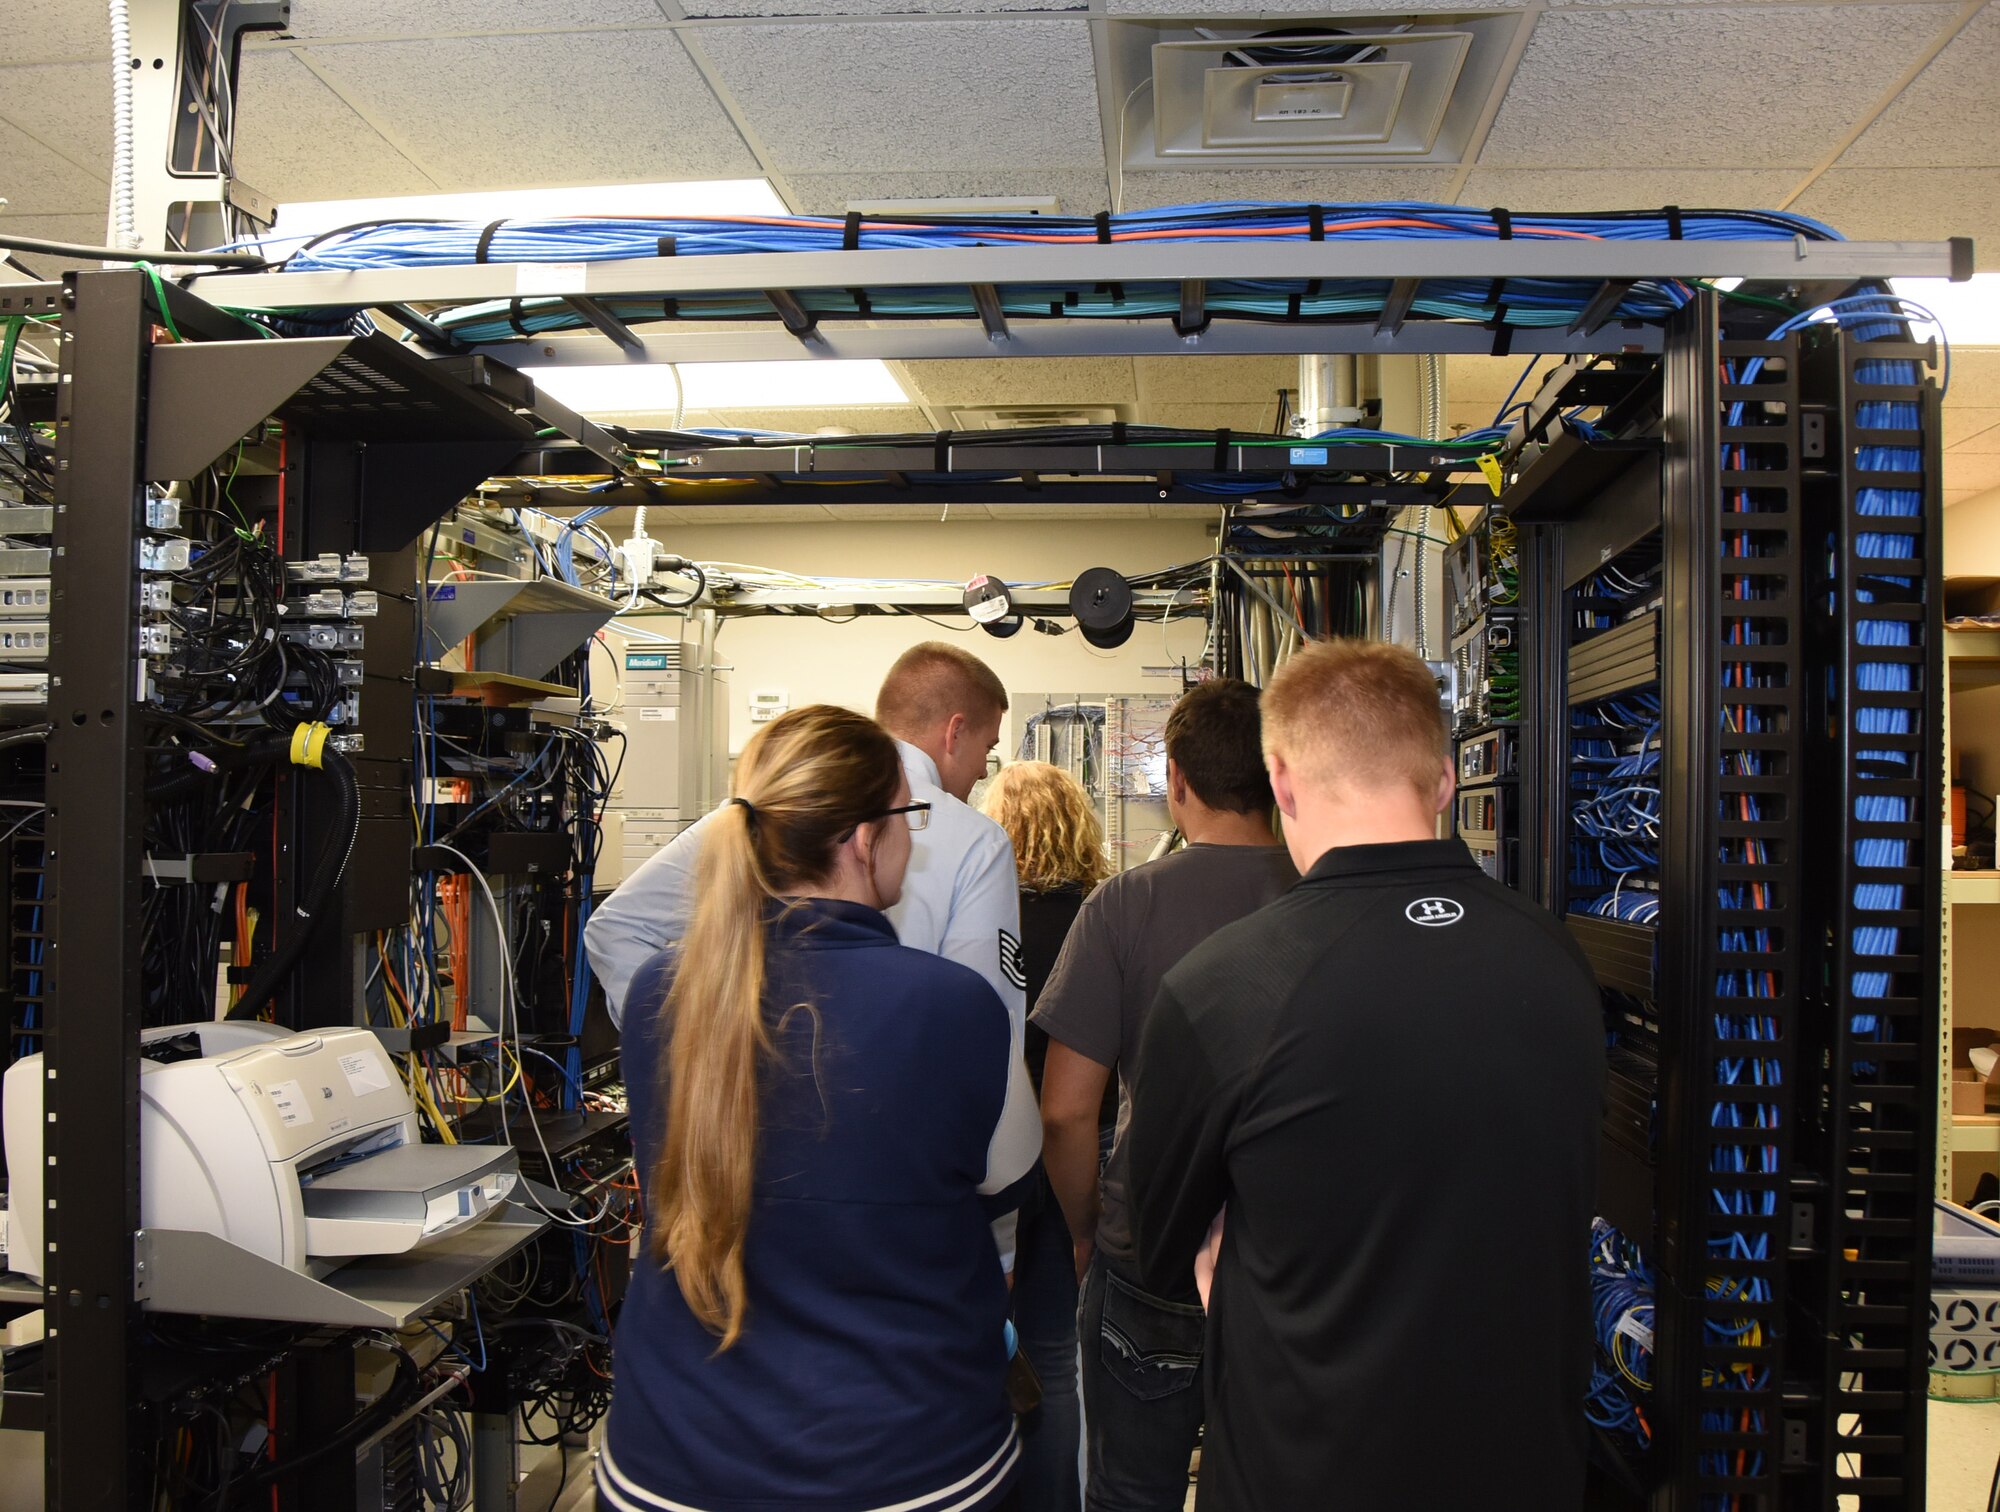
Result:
pixel 821 1322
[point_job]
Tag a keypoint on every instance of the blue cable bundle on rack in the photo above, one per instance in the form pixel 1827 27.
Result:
pixel 1527 302
pixel 1621 1300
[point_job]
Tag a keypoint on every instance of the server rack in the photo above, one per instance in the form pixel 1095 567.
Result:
pixel 1773 1017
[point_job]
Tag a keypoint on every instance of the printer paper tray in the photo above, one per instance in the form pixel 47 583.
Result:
pixel 191 1272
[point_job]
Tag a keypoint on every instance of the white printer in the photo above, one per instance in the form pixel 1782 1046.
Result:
pixel 300 1149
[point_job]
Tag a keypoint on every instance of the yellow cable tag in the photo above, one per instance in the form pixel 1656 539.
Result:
pixel 1495 479
pixel 309 743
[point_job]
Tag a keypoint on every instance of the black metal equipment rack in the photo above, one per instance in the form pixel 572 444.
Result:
pixel 382 449
pixel 1776 1165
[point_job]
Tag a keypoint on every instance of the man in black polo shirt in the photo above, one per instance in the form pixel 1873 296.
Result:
pixel 1387 1085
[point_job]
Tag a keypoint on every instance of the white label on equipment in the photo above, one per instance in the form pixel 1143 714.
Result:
pixel 658 712
pixel 364 1074
pixel 1636 1331
pixel 289 1098
pixel 548 278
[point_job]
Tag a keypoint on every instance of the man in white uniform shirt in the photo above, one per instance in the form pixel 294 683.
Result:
pixel 960 899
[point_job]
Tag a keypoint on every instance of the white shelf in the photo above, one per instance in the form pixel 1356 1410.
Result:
pixel 1977 1133
pixel 1963 888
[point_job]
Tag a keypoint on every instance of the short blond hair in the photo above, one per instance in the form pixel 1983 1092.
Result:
pixel 1357 714
pixel 932 681
pixel 1053 824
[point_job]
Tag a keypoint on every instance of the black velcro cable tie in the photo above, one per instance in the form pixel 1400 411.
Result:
pixel 1312 288
pixel 1222 448
pixel 941 452
pixel 850 236
pixel 1316 222
pixel 1056 308
pixel 514 318
pixel 1069 299
pixel 1673 215
pixel 862 304
pixel 1503 222
pixel 670 309
pixel 1292 307
pixel 1117 432
pixel 1503 334
pixel 1103 222
pixel 665 246
pixel 1118 293
pixel 486 241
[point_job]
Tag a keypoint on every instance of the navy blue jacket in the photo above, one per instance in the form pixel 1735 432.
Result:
pixel 871 1368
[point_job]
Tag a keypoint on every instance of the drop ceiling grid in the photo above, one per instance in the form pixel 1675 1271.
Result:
pixel 1578 100
pixel 1949 115
pixel 895 96
pixel 286 115
pixel 562 108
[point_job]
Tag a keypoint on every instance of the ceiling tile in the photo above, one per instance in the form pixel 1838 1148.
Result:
pixel 1024 380
pixel 871 7
pixel 1483 382
pixel 1910 204
pixel 1949 116
pixel 37 181
pixel 87 229
pixel 1700 99
pixel 1238 417
pixel 915 97
pixel 298 140
pixel 1959 495
pixel 1980 443
pixel 399 18
pixel 1182 511
pixel 45 30
pixel 564 108
pixel 1963 424
pixel 1975 379
pixel 67 106
pixel 1963 471
pixel 1325 186
pixel 879 418
pixel 1204 380
pixel 1565 190
pixel 1078 191
pixel 1286 7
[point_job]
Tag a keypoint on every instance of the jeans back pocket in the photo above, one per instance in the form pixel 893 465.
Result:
pixel 1151 1348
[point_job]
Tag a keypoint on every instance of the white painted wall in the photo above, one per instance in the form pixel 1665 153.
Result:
pixel 1972 536
pixel 817 661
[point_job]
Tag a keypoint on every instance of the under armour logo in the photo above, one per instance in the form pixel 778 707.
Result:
pixel 1012 967
pixel 1432 912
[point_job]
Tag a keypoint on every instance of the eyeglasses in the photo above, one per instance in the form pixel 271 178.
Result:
pixel 918 814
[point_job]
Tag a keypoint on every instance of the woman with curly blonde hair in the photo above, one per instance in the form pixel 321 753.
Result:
pixel 1059 856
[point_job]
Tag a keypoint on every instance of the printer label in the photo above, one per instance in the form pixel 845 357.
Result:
pixel 289 1098
pixel 364 1074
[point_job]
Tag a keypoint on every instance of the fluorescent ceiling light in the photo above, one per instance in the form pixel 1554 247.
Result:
pixel 828 384
pixel 1968 311
pixel 710 197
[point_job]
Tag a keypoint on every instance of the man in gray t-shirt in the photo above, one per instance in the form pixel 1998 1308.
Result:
pixel 1142 1354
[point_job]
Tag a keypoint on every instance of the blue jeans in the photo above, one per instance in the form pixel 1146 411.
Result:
pixel 1141 1392
pixel 1044 1304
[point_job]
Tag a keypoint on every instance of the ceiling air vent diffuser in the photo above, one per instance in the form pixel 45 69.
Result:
pixel 1032 416
pixel 1379 91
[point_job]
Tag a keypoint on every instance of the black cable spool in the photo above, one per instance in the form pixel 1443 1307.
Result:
pixel 991 606
pixel 1101 600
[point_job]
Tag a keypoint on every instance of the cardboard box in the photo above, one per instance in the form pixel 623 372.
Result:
pixel 1968 1092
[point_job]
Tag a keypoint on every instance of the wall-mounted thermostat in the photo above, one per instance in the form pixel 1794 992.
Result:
pixel 767 704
